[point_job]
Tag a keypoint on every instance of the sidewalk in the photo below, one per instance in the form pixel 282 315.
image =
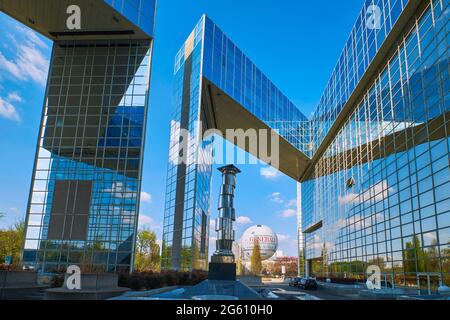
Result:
pixel 343 289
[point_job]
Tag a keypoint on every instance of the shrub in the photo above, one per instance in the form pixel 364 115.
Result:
pixel 170 278
pixel 339 280
pixel 57 280
pixel 150 280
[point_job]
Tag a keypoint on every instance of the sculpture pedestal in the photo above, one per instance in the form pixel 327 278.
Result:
pixel 222 271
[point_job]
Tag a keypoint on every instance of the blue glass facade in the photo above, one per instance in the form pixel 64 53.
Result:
pixel 84 199
pixel 188 183
pixel 209 54
pixel 139 12
pixel 358 53
pixel 394 149
pixel 376 190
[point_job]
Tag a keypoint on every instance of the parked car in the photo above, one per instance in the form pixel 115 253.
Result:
pixel 294 282
pixel 308 284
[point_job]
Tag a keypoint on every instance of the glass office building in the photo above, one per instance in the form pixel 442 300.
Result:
pixel 209 59
pixel 139 12
pixel 375 178
pixel 379 193
pixel 84 198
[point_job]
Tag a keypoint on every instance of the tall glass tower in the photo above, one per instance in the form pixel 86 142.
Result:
pixel 217 87
pixel 84 197
pixel 373 160
pixel 378 189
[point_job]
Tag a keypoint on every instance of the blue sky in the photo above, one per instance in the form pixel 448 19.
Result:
pixel 295 43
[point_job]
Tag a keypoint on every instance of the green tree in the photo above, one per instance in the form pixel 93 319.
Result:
pixel 147 256
pixel 166 255
pixel 255 259
pixel 186 257
pixel 324 255
pixel 413 255
pixel 445 253
pixel 239 269
pixel 11 242
pixel 377 261
pixel 301 263
pixel 431 257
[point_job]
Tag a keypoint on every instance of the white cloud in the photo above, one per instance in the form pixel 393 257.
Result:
pixel 120 190
pixel 283 237
pixel 14 97
pixel 377 192
pixel 276 197
pixel 32 37
pixel 270 173
pixel 146 197
pixel 288 213
pixel 291 203
pixel 8 111
pixel 29 61
pixel 357 221
pixel 212 227
pixel 148 222
pixel 14 209
pixel 143 219
pixel 242 220
pixel 10 67
pixel 212 245
pixel 287 244
pixel 348 199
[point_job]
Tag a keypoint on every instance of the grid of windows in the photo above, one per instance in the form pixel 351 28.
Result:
pixel 394 148
pixel 359 51
pixel 209 53
pixel 92 132
pixel 385 166
pixel 187 204
pixel 231 70
pixel 297 133
pixel 139 12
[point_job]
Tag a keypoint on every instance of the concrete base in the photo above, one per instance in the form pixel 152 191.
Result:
pixel 18 285
pixel 64 294
pixel 148 294
pixel 251 280
pixel 22 293
pixel 343 289
pixel 222 288
pixel 93 287
pixel 433 297
pixel 222 271
pixel 385 294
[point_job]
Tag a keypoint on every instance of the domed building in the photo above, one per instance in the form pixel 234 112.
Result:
pixel 267 239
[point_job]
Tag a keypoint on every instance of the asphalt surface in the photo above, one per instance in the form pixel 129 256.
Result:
pixel 284 291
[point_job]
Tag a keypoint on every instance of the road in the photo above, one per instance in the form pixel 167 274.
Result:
pixel 289 293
